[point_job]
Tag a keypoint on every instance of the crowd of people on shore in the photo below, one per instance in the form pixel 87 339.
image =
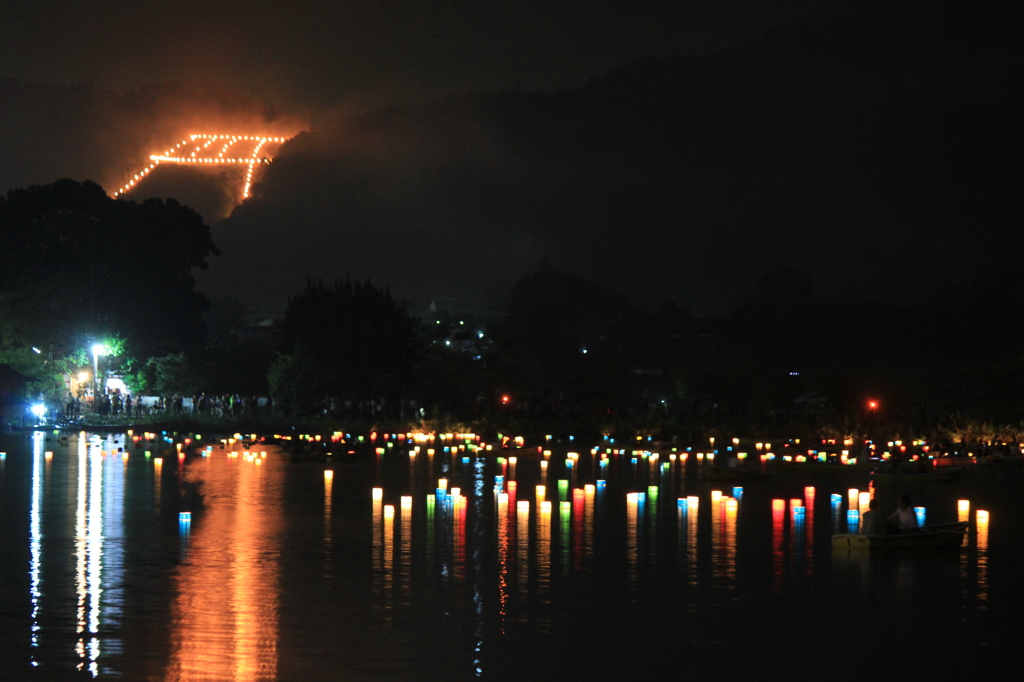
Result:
pixel 116 404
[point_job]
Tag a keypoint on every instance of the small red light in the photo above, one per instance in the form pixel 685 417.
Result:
pixel 505 399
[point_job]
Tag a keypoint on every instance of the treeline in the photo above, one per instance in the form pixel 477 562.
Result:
pixel 567 355
pixel 79 268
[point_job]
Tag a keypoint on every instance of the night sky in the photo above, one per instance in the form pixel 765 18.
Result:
pixel 676 150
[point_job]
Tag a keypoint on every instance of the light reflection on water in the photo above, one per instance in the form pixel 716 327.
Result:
pixel 224 618
pixel 649 548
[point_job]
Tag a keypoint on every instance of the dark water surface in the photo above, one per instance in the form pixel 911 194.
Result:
pixel 284 573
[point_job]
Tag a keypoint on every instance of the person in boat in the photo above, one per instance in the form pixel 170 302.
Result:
pixel 871 522
pixel 904 520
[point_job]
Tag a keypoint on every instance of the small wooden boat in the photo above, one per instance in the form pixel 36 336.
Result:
pixel 713 473
pixel 938 536
pixel 1011 462
pixel 946 474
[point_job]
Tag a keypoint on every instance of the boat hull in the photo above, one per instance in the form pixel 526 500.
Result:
pixel 947 536
pixel 947 475
pixel 723 474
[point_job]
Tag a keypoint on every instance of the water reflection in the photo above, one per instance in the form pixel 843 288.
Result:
pixel 90 597
pixel 778 541
pixel 224 620
pixel 632 537
pixel 405 569
pixel 328 504
pixel 523 552
pixel 483 562
pixel 389 556
pixel 981 522
pixel 692 524
pixel 504 544
pixel 36 539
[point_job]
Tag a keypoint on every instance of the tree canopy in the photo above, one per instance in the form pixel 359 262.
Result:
pixel 77 266
pixel 342 339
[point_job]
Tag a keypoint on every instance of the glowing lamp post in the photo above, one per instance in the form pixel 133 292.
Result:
pixel 98 349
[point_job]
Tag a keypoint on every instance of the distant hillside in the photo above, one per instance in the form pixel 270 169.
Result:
pixel 90 132
pixel 875 145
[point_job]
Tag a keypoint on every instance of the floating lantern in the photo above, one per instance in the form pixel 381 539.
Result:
pixel 737 492
pixel 854 499
pixel 963 510
pixel 863 500
pixel 796 503
pixel 919 512
pixel 716 496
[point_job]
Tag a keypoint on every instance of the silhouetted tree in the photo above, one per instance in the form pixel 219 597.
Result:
pixel 76 265
pixel 344 339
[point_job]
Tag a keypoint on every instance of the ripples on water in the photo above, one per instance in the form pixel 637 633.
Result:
pixel 597 565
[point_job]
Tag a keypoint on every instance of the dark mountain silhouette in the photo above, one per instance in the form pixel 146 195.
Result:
pixel 874 145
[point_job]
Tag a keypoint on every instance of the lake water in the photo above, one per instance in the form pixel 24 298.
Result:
pixel 283 572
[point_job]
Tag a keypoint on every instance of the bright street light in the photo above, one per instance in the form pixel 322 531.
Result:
pixel 98 349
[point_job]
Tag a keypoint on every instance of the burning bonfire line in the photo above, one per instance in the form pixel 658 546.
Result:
pixel 202 154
